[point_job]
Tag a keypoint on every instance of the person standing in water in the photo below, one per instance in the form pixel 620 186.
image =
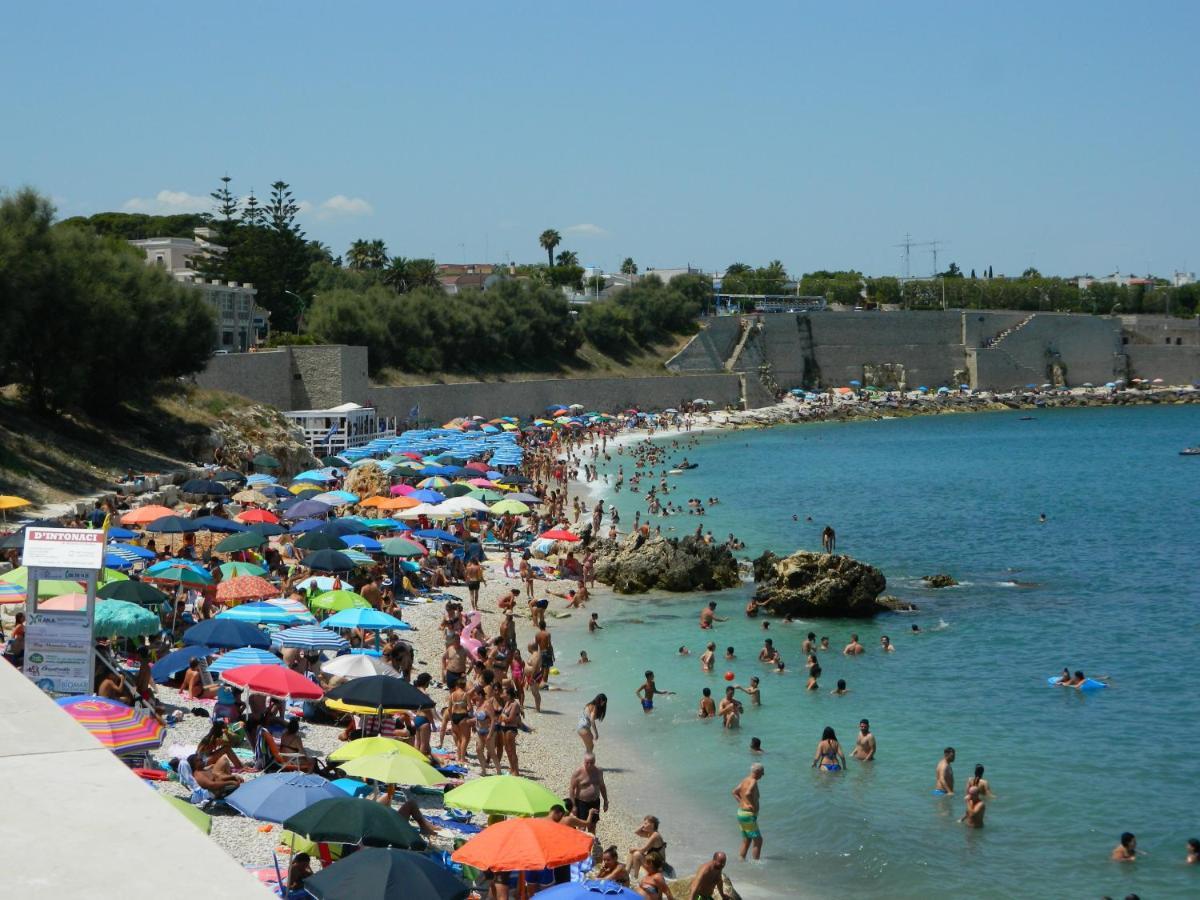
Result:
pixel 707 657
pixel 1126 851
pixel 864 747
pixel 978 781
pixel 943 783
pixel 708 615
pixel 746 794
pixel 647 691
pixel 973 817
pixel 829 754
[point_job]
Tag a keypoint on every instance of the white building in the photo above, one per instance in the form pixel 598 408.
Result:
pixel 330 431
pixel 241 324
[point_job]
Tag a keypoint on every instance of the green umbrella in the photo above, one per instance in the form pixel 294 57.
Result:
pixel 244 540
pixel 399 546
pixel 485 495
pixel 182 575
pixel 457 489
pixel 56 587
pixel 508 795
pixel 336 601
pixel 119 618
pixel 233 569
pixel 352 820
pixel 197 817
pixel 394 768
pixel 515 507
pixel 266 461
pixel 320 540
pixel 133 592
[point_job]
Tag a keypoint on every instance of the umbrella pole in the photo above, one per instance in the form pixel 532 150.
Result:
pixel 522 888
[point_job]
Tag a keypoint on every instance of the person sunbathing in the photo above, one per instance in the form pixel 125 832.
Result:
pixel 194 686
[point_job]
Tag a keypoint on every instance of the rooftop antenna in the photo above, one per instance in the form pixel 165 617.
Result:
pixel 908 243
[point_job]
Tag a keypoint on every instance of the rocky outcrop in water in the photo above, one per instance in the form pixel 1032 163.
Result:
pixel 941 580
pixel 821 584
pixel 635 565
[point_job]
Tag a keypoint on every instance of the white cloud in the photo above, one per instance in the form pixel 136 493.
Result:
pixel 341 205
pixel 168 202
pixel 586 229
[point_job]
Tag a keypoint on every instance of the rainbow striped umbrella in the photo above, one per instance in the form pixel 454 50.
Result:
pixel 120 728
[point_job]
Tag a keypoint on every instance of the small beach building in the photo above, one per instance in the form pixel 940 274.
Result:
pixel 330 431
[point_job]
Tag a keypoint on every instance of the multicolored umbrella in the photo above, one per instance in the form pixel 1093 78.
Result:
pixel 120 728
pixel 243 656
pixel 274 681
pixel 245 587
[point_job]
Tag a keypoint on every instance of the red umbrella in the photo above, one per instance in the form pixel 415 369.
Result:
pixel 245 587
pixel 274 681
pixel 258 516
pixel 521 845
pixel 477 466
pixel 558 534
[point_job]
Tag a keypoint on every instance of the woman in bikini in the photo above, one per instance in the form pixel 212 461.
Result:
pixel 654 846
pixel 485 714
pixel 829 755
pixel 510 724
pixel 653 884
pixel 459 708
pixel 592 713
pixel 533 676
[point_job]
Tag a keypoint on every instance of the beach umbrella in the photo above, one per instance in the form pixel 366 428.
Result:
pixel 328 561
pixel 362 542
pixel 394 768
pixel 257 516
pixel 509 506
pixel 193 814
pixel 318 475
pixel 252 496
pixel 120 728
pixel 204 486
pixel 399 546
pixel 217 524
pixel 307 509
pixel 317 583
pixel 243 656
pixel 265 614
pixel 508 795
pixel 309 637
pixel 129 550
pixel 341 599
pixel 177 661
pixel 427 496
pixel 368 618
pixel 350 820
pixel 380 692
pixel 303 490
pixel 8 501
pixel 458 489
pixel 120 618
pixel 357 665
pixel 143 515
pixel 320 540
pixel 229 476
pixel 375 873
pixel 265 461
pixel 524 497
pixel 133 592
pixel 273 681
pixel 273 798
pixel 172 525
pixel 358 558
pixel 226 633
pixel 305 526
pixel 275 491
pixel 258 479
pixel 437 534
pixel 519 480
pixel 372 746
pixel 558 534
pixel 589 890
pixel 336 498
pixel 433 483
pixel 246 540
pixel 234 569
pixel 522 845
pixel 245 587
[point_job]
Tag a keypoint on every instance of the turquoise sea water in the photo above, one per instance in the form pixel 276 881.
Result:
pixel 1115 594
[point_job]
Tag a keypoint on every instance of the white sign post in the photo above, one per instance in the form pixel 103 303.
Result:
pixel 59 645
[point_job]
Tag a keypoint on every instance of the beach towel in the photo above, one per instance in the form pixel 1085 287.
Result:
pixel 199 796
pixel 453 825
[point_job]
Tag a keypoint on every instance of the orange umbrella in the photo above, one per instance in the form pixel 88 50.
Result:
pixel 373 501
pixel 394 503
pixel 65 603
pixel 144 515
pixel 255 516
pixel 245 587
pixel 520 845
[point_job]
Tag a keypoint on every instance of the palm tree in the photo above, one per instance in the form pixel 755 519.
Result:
pixel 398 274
pixel 568 258
pixel 378 254
pixel 629 267
pixel 549 240
pixel 358 254
pixel 422 273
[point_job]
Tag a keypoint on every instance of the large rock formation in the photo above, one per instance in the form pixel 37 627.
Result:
pixel 635 565
pixel 820 584
pixel 246 431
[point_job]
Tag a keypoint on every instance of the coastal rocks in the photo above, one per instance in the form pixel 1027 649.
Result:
pixel 639 564
pixel 247 431
pixel 821 584
pixel 941 580
pixel 368 481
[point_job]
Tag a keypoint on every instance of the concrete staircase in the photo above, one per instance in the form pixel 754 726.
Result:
pixel 749 328
pixel 1008 332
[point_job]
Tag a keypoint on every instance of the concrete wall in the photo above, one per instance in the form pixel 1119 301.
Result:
pixel 441 402
pixel 1161 330
pixel 1081 348
pixel 980 326
pixel 1174 365
pixel 708 350
pixel 265 376
pixel 328 375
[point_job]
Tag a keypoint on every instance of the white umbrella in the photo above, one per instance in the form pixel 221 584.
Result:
pixel 357 665
pixel 464 504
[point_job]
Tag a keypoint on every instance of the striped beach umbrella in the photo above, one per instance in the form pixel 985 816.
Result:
pixel 243 656
pixel 309 637
pixel 120 728
pixel 266 614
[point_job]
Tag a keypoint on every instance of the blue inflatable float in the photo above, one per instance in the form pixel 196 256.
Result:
pixel 1089 684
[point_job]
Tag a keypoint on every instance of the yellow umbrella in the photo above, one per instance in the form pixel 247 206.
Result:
pixel 8 501
pixel 374 746
pixel 339 706
pixel 393 768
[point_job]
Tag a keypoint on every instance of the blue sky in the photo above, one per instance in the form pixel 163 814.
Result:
pixel 1062 135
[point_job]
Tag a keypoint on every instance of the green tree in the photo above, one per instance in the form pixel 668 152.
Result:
pixel 138 226
pixel 1031 272
pixel 423 272
pixel 365 254
pixel 568 258
pixel 952 272
pixel 397 275
pixel 549 240
pixel 629 267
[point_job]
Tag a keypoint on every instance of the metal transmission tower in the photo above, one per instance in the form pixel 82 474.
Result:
pixel 909 243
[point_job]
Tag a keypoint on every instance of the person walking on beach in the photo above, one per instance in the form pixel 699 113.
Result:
pixel 647 691
pixel 708 882
pixel 746 794
pixel 943 784
pixel 588 792
pixel 828 539
pixel 474 577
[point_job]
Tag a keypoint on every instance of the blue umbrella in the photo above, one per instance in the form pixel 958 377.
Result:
pixel 273 798
pixel 274 490
pixel 362 542
pixel 329 561
pixel 173 525
pixel 437 534
pixel 589 890
pixel 427 496
pixel 365 618
pixel 319 475
pixel 264 614
pixel 177 660
pixel 305 525
pixel 176 563
pixel 856 384
pixel 310 637
pixel 117 533
pixel 129 550
pixel 307 509
pixel 226 633
pixel 243 656
pixel 256 480
pixel 119 562
pixel 216 523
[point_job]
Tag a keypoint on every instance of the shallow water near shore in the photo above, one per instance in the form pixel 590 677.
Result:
pixel 1106 585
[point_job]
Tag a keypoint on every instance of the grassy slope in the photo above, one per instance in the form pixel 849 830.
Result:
pixel 588 363
pixel 50 458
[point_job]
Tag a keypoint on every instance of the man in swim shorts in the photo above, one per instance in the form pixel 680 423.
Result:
pixel 944 777
pixel 707 883
pixel 746 794
pixel 647 691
